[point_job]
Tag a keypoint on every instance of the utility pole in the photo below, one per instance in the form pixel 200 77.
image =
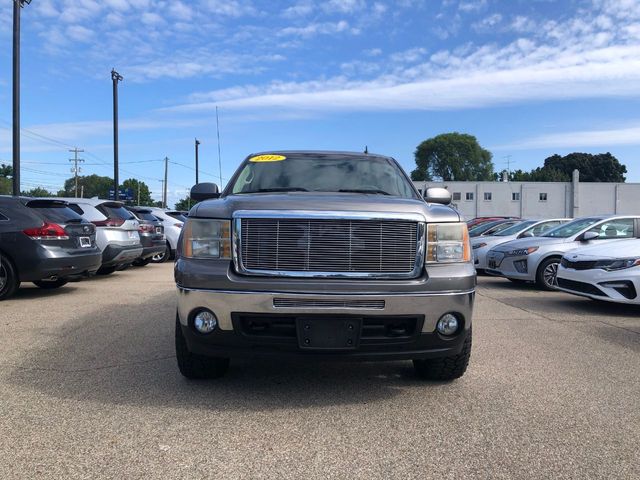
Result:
pixel 197 144
pixel 138 194
pixel 219 156
pixel 508 162
pixel 17 5
pixel 115 77
pixel 82 191
pixel 75 168
pixel 164 185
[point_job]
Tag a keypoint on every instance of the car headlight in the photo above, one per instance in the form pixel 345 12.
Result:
pixel 206 238
pixel 448 243
pixel 612 265
pixel 521 252
pixel 478 245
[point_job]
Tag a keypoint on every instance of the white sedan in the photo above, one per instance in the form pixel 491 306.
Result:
pixel 608 272
pixel 523 229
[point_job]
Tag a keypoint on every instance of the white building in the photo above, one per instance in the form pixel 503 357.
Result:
pixel 541 199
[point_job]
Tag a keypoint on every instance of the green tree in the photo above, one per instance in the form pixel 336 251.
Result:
pixel 145 194
pixel 6 186
pixel 602 167
pixel 37 192
pixel 452 156
pixel 184 204
pixel 94 186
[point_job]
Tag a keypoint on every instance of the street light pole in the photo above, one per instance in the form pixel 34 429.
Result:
pixel 197 145
pixel 17 5
pixel 115 77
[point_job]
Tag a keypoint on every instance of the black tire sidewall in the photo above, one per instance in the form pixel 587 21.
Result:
pixel 12 278
pixel 540 273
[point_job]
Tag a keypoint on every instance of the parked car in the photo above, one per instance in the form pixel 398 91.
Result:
pixel 491 228
pixel 479 220
pixel 602 272
pixel 537 259
pixel 151 233
pixel 324 255
pixel 524 229
pixel 116 231
pixel 44 242
pixel 172 221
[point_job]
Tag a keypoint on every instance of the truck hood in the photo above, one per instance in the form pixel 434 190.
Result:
pixel 323 202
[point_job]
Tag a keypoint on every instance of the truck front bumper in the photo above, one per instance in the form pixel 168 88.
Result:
pixel 391 326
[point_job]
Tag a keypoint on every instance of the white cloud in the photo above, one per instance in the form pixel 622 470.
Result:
pixel 472 5
pixel 313 29
pixel 79 33
pixel 180 10
pixel 343 6
pixel 579 139
pixel 230 8
pixel 487 24
pixel 151 19
pixel 300 9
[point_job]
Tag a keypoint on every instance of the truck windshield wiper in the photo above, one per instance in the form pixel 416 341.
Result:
pixel 280 189
pixel 363 190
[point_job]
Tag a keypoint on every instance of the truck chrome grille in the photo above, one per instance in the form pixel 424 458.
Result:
pixel 367 247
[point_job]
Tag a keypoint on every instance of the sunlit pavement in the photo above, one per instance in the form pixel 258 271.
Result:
pixel 89 388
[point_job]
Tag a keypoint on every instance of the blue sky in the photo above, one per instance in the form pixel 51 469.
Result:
pixel 529 78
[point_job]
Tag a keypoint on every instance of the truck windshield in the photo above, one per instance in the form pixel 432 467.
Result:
pixel 309 173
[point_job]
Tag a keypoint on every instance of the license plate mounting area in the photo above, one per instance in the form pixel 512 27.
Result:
pixel 322 333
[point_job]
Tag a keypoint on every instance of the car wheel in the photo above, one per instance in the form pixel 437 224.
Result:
pixel 9 282
pixel 196 367
pixel 546 276
pixel 162 257
pixel 105 270
pixel 51 284
pixel 445 368
pixel 142 262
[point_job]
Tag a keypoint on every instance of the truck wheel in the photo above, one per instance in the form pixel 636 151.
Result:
pixel 9 282
pixel 51 284
pixel 546 276
pixel 196 367
pixel 445 368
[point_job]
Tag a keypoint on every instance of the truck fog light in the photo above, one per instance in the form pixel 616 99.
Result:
pixel 205 321
pixel 448 324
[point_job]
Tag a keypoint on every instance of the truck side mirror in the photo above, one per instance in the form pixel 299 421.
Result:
pixel 437 195
pixel 204 191
pixel 589 236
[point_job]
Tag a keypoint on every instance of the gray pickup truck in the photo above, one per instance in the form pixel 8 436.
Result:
pixel 323 255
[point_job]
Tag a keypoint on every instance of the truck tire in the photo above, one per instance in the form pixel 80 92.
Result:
pixel 546 274
pixel 195 367
pixel 445 368
pixel 9 281
pixel 51 284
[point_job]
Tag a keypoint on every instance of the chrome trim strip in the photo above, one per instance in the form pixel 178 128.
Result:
pixel 349 295
pixel 329 215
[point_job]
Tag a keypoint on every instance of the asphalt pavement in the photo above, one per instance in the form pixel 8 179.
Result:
pixel 89 389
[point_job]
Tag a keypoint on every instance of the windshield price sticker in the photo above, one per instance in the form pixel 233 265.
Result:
pixel 268 158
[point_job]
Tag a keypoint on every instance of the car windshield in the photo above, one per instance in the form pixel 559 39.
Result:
pixel 479 229
pixel 57 213
pixel 146 215
pixel 515 229
pixel 323 173
pixel 571 228
pixel 115 211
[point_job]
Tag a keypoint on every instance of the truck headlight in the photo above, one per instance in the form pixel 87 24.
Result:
pixel 448 243
pixel 206 238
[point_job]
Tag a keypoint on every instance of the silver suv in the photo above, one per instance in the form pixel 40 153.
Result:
pixel 116 231
pixel 324 255
pixel 537 259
